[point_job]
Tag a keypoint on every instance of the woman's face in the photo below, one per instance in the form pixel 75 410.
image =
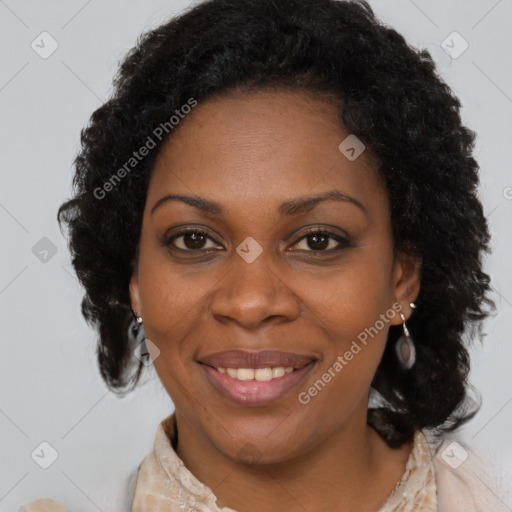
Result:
pixel 252 275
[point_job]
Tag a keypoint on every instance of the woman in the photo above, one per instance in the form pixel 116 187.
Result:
pixel 281 200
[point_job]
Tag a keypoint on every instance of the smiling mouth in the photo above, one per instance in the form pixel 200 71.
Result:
pixel 256 387
pixel 257 374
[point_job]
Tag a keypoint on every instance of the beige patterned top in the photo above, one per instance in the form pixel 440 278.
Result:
pixel 445 478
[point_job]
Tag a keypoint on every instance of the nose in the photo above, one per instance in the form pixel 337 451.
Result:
pixel 252 294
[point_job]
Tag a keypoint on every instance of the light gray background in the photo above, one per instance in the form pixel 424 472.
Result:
pixel 50 386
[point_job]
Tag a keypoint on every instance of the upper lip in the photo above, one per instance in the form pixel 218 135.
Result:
pixel 260 359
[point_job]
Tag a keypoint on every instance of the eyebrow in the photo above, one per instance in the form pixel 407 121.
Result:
pixel 288 208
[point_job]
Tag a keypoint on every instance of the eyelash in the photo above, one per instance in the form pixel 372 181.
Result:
pixel 344 242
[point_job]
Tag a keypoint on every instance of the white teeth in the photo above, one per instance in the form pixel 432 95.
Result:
pixel 263 374
pixel 245 374
pixel 232 372
pixel 259 374
pixel 279 371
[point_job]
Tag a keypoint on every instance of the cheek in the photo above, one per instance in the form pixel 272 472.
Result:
pixel 349 298
pixel 170 309
pixel 352 319
pixel 173 304
pixel 171 295
pixel 351 310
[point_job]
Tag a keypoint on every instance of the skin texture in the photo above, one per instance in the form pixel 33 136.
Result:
pixel 251 152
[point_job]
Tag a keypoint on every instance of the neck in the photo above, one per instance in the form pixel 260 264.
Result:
pixel 352 469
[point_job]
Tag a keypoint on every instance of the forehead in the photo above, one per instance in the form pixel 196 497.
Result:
pixel 262 146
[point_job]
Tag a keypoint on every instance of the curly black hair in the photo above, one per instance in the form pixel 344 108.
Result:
pixel 388 94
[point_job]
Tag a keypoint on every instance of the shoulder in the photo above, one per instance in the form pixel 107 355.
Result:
pixel 463 481
pixel 44 505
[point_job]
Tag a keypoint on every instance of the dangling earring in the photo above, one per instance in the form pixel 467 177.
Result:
pixel 139 321
pixel 405 350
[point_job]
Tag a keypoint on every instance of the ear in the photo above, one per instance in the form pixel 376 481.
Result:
pixel 406 283
pixel 134 290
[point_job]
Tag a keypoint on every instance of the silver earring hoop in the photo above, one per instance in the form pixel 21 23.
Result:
pixel 138 320
pixel 405 349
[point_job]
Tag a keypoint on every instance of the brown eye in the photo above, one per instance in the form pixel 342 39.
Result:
pixel 321 241
pixel 318 241
pixel 190 240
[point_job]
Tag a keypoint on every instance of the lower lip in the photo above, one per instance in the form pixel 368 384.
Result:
pixel 253 392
